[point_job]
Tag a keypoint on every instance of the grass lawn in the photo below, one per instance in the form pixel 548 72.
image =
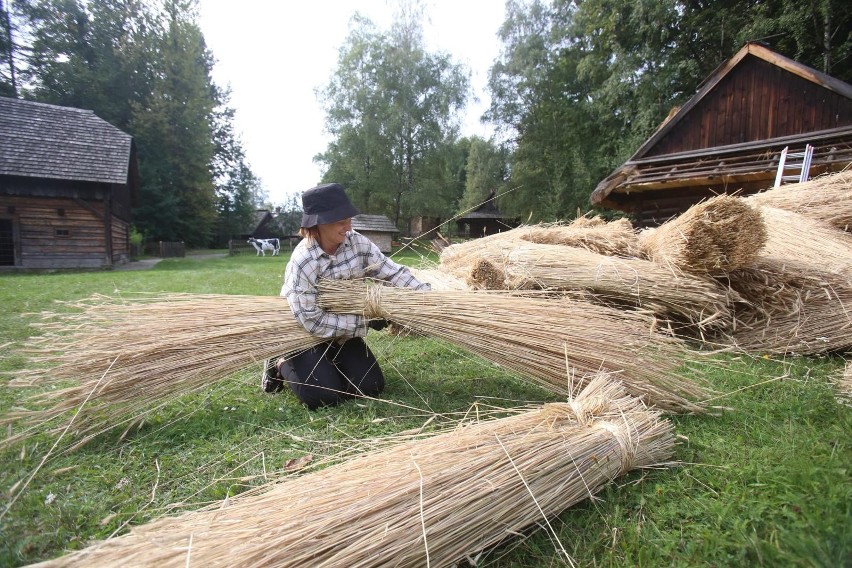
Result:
pixel 766 483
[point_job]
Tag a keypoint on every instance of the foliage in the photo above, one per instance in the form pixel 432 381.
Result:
pixel 147 72
pixel 579 86
pixel 391 107
pixel 764 482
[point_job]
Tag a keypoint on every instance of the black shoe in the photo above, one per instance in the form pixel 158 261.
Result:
pixel 270 382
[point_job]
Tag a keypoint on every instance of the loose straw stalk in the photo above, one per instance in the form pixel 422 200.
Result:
pixel 427 502
pixel 155 347
pixel 535 337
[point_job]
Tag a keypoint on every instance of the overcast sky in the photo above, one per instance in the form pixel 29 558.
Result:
pixel 274 55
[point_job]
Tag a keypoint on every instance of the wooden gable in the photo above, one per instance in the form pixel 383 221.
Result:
pixel 729 136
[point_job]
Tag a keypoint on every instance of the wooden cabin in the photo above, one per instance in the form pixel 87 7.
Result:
pixel 67 182
pixel 729 136
pixel 485 220
pixel 377 228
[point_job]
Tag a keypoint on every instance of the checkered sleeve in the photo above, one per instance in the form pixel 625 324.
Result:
pixel 377 265
pixel 300 288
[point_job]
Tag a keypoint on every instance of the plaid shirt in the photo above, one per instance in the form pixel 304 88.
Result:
pixel 309 263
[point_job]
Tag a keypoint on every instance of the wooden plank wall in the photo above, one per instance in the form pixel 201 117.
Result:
pixel 756 101
pixel 60 233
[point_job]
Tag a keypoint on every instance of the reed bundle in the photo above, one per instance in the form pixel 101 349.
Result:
pixel 700 301
pixel 426 502
pixel 536 337
pixel 825 198
pixel 713 237
pixel 613 238
pixel 439 279
pixel 592 234
pixel 128 357
pixel 798 293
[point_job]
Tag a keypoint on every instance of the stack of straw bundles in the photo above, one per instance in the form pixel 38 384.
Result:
pixel 129 357
pixel 798 292
pixel 616 238
pixel 713 237
pixel 536 337
pixel 699 301
pixel 826 198
pixel 426 502
pixel 844 384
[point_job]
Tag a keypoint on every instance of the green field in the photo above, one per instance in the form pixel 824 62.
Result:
pixel 767 482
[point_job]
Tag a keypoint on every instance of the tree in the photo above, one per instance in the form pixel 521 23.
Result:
pixel 174 133
pixel 485 171
pixel 8 52
pixel 391 106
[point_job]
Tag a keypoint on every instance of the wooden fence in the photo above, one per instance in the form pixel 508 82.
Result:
pixel 172 250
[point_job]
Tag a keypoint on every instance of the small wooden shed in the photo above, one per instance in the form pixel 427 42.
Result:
pixel 377 228
pixel 67 182
pixel 485 220
pixel 729 136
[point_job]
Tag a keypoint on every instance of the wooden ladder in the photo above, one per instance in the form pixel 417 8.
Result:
pixel 798 162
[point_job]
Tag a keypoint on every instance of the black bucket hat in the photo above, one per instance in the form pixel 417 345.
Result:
pixel 326 203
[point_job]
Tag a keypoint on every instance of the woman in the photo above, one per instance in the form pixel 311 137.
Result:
pixel 343 367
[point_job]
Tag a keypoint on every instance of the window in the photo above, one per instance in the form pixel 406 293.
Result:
pixel 63 233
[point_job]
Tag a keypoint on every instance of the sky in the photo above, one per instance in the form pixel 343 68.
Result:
pixel 275 55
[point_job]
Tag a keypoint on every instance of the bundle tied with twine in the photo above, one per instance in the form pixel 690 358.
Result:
pixel 797 295
pixel 698 301
pixel 826 198
pixel 712 237
pixel 428 502
pixel 536 337
pixel 129 356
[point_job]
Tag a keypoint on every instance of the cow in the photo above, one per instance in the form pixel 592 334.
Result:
pixel 263 245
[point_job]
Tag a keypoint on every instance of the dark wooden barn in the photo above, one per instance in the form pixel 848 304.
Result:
pixel 485 220
pixel 67 180
pixel 729 136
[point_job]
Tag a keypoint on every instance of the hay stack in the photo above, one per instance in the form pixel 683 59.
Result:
pixel 797 294
pixel 844 383
pixel 428 502
pixel 131 356
pixel 439 279
pixel 713 237
pixel 699 301
pixel 536 337
pixel 825 198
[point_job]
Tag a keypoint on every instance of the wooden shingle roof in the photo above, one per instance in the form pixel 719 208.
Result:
pixel 376 223
pixel 49 141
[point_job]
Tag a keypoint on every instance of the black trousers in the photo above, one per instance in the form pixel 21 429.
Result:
pixel 330 373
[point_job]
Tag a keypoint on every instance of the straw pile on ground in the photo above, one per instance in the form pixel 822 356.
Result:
pixel 844 383
pixel 825 198
pixel 536 337
pixel 131 356
pixel 700 302
pixel 433 501
pixel 798 292
pixel 711 238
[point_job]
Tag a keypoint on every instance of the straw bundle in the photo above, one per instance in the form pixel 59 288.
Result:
pixel 700 301
pixel 130 357
pixel 614 238
pixel 535 337
pixel 826 198
pixel 438 279
pixel 427 502
pixel 713 237
pixel 595 235
pixel 798 293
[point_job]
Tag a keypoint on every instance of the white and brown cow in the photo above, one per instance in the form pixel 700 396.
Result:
pixel 263 245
